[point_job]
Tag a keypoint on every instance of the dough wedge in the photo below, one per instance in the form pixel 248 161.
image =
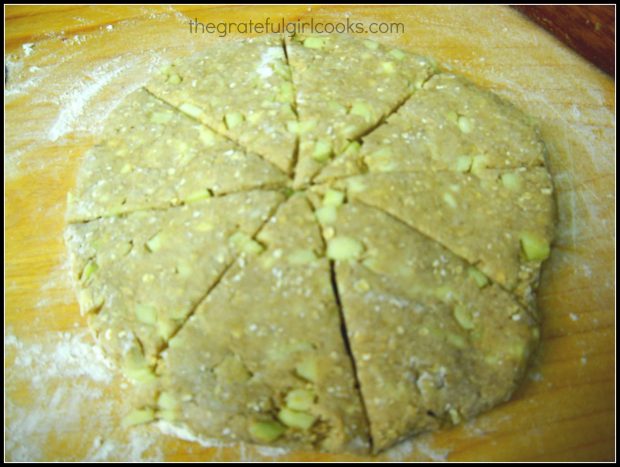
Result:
pixel 448 348
pixel 336 103
pixel 241 89
pixel 139 276
pixel 152 156
pixel 449 124
pixel 485 219
pixel 263 359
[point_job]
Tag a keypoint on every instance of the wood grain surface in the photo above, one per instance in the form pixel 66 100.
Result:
pixel 68 66
pixel 588 29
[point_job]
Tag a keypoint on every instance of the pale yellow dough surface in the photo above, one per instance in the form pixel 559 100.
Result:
pixel 151 155
pixel 316 242
pixel 242 89
pixel 140 275
pixel 271 315
pixel 345 87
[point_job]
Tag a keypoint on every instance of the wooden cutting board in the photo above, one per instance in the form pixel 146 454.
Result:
pixel 66 69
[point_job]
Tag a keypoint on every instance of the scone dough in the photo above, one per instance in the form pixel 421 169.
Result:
pixel 140 275
pixel 318 242
pixel 337 103
pixel 151 155
pixel 450 124
pixel 270 333
pixel 447 349
pixel 483 218
pixel 242 89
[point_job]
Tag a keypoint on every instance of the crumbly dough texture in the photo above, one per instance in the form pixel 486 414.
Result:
pixel 318 242
pixel 475 216
pixel 447 349
pixel 242 89
pixel 337 103
pixel 451 124
pixel 239 354
pixel 151 155
pixel 140 275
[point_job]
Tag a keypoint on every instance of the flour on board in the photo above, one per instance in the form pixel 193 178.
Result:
pixel 416 448
pixel 74 102
pixel 27 48
pixel 186 435
pixel 39 369
pixel 246 453
pixel 55 410
pixel 141 446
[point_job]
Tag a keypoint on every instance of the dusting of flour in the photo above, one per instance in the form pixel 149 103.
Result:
pixel 75 101
pixel 42 409
pixel 272 54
